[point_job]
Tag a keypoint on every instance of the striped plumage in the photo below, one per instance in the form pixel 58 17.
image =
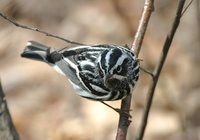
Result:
pixel 100 72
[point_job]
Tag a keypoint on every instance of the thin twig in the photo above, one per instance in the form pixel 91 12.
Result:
pixel 116 109
pixel 188 5
pixel 7 129
pixel 137 42
pixel 124 121
pixel 38 30
pixel 158 69
pixel 147 71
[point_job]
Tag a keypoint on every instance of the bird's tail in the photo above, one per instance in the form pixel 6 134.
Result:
pixel 36 51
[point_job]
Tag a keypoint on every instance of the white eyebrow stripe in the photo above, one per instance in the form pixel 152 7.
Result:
pixel 119 62
pixel 107 57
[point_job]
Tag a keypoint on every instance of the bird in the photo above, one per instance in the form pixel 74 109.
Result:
pixel 103 72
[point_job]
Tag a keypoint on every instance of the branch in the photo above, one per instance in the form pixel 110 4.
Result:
pixel 125 105
pixel 7 129
pixel 38 30
pixel 185 9
pixel 147 71
pixel 158 69
pixel 137 42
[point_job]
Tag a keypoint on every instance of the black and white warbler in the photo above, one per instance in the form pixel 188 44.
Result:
pixel 99 72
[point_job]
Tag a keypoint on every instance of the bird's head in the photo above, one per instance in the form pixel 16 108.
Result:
pixel 119 68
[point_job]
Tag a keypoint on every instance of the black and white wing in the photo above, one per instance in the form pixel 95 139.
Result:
pixel 79 64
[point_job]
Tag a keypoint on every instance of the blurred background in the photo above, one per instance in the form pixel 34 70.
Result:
pixel 43 104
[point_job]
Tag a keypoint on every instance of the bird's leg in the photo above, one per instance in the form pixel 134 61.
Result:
pixel 118 110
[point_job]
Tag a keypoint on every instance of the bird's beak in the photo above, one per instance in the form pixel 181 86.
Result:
pixel 36 51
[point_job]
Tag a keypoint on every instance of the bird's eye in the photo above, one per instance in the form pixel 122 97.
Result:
pixel 119 69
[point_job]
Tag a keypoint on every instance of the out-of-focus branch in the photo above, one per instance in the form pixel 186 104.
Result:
pixel 158 69
pixel 7 129
pixel 38 30
pixel 125 105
